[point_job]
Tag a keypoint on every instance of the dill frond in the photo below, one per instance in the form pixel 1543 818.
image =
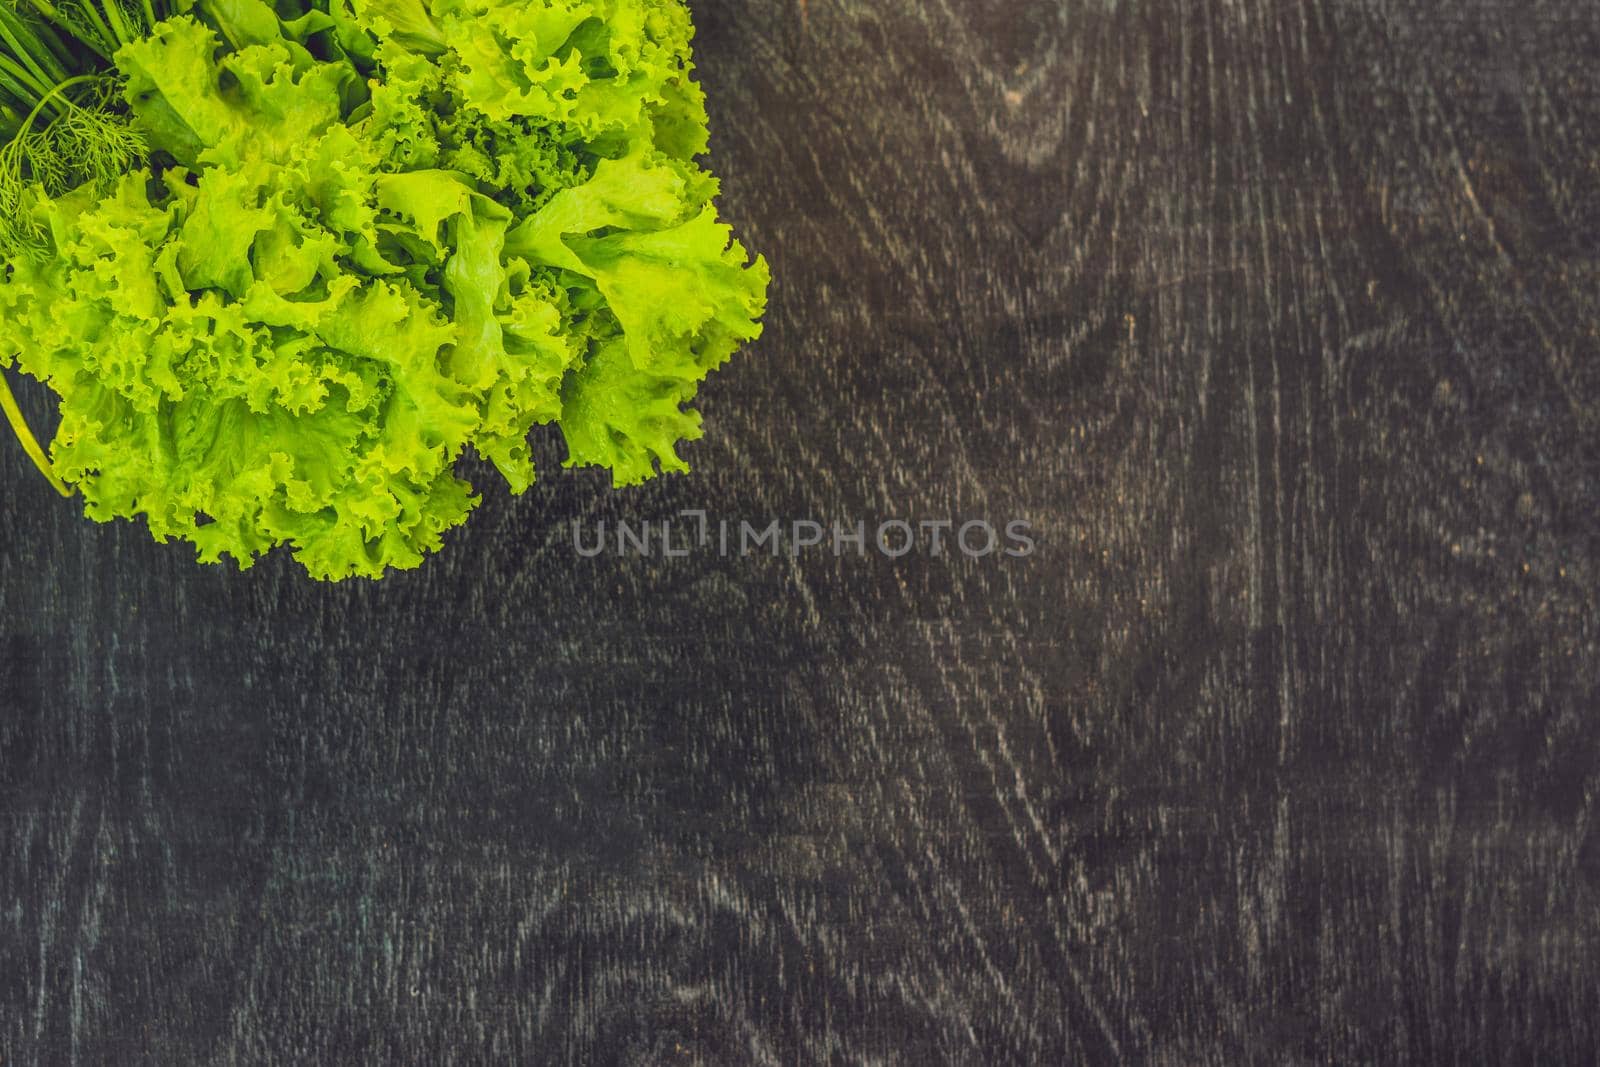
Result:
pixel 101 144
pixel 88 145
pixel 20 233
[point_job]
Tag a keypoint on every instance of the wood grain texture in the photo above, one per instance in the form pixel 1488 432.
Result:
pixel 1278 320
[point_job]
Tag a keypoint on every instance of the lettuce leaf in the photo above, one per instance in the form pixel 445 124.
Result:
pixel 374 234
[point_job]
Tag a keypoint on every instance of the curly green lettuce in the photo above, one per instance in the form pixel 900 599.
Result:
pixel 371 235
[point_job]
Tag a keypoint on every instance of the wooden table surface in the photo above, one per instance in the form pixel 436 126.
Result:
pixel 1277 322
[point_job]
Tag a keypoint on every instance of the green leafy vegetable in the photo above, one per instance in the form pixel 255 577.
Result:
pixel 304 257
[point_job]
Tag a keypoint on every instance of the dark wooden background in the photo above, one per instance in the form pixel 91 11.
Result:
pixel 1278 320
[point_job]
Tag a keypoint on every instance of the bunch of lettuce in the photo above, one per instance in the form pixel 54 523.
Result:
pixel 339 242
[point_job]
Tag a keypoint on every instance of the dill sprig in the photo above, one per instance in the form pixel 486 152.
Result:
pixel 88 142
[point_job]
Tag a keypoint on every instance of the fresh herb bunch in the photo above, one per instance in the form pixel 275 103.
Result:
pixel 284 265
pixel 60 118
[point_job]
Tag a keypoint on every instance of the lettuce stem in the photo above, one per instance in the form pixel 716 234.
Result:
pixel 30 444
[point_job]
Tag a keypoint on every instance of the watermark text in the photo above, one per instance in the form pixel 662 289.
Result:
pixel 694 531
